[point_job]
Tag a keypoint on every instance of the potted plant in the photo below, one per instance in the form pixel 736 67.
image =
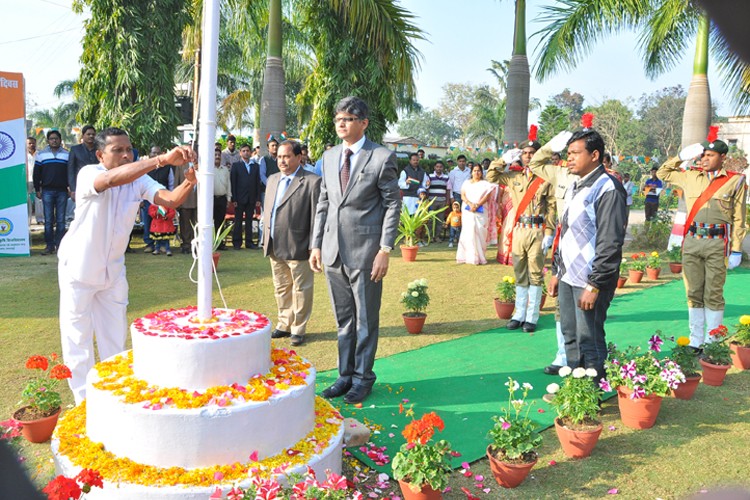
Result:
pixel 512 453
pixel 577 404
pixel 674 254
pixel 641 381
pixel 716 358
pixel 741 344
pixel 421 466
pixel 505 301
pixel 624 266
pixel 40 398
pixel 636 267
pixel 687 358
pixel 218 236
pixel 416 299
pixel 409 225
pixel 653 265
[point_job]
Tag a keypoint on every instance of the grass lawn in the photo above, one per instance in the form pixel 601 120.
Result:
pixel 696 445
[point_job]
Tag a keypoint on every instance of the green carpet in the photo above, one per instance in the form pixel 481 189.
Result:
pixel 463 379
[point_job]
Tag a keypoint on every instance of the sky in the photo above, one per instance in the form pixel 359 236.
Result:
pixel 42 40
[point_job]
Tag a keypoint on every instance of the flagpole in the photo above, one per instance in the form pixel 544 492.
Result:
pixel 206 136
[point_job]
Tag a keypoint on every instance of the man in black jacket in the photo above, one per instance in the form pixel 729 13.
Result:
pixel 81 155
pixel 246 188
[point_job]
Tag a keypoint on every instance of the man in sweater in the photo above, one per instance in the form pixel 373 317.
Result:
pixel 51 186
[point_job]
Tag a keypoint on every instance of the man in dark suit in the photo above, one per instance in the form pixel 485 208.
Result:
pixel 356 223
pixel 245 182
pixel 288 216
pixel 81 155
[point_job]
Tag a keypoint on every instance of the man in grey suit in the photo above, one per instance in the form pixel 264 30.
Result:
pixel 289 214
pixel 355 228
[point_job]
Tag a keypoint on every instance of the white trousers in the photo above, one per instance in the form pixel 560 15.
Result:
pixel 85 309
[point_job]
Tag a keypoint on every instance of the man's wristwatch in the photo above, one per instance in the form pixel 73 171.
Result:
pixel 385 249
pixel 592 289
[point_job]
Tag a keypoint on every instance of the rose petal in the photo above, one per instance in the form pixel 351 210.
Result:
pixel 613 491
pixel 552 462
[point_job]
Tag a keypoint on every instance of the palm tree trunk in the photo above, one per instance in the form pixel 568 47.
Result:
pixel 273 105
pixel 697 114
pixel 519 82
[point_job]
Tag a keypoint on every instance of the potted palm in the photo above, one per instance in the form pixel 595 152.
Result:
pixel 623 278
pixel 716 358
pixel 515 438
pixel 416 299
pixel 40 398
pixel 674 254
pixel 505 301
pixel 422 466
pixel 653 265
pixel 687 358
pixel 637 267
pixel 641 381
pixel 410 224
pixel 217 236
pixel 741 344
pixel 577 404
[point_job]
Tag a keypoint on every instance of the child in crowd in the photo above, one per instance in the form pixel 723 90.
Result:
pixel 162 228
pixel 422 231
pixel 454 221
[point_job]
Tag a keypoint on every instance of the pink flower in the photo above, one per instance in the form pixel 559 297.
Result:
pixel 506 426
pixel 604 385
pixel 217 494
pixel 613 491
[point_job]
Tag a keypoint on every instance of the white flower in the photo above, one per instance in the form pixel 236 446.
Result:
pixel 422 282
pixel 553 388
pixel 528 386
pixel 564 371
pixel 579 372
pixel 515 385
pixel 404 294
pixel 591 372
pixel 415 294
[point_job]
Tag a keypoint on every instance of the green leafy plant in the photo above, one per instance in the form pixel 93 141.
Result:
pixel 577 399
pixel 506 289
pixel 674 254
pixel 415 298
pixel 40 393
pixel 742 336
pixel 409 224
pixel 624 266
pixel 638 262
pixel 514 435
pixel 653 260
pixel 685 356
pixel 716 351
pixel 217 235
pixel 420 461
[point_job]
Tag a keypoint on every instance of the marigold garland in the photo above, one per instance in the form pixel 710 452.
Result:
pixel 82 452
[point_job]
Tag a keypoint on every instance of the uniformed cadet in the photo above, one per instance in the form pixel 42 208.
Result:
pixel 543 165
pixel 532 235
pixel 716 230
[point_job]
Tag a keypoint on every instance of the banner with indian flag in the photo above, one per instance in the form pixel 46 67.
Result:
pixel 14 215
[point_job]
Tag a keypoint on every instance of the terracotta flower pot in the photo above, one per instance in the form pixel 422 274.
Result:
pixel 504 310
pixel 740 357
pixel 215 257
pixel 409 254
pixel 506 474
pixel 577 444
pixel 414 321
pixel 638 413
pixel 653 273
pixel 635 276
pixel 687 388
pixel 39 430
pixel 425 492
pixel 675 267
pixel 713 374
pixel 621 281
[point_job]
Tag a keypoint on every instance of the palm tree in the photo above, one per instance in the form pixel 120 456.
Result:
pixel 519 82
pixel 61 117
pixel 489 114
pixel 665 29
pixel 273 105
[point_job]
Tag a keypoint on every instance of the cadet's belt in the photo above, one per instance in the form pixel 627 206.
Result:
pixel 710 231
pixel 531 219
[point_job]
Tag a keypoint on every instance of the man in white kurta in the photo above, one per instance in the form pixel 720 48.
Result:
pixel 91 269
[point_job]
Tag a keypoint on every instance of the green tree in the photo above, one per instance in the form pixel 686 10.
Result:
pixel 130 51
pixel 456 104
pixel 62 117
pixel 572 104
pixel 428 127
pixel 661 120
pixel 552 121
pixel 488 118
pixel 617 126
pixel 666 27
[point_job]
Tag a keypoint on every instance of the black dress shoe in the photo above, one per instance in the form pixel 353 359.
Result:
pixel 339 388
pixel 529 327
pixel 513 325
pixel 357 394
pixel 297 340
pixel 278 334
pixel 552 369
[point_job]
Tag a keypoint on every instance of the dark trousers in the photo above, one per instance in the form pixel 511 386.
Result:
pixel 220 212
pixel 651 208
pixel 188 218
pixel 356 307
pixel 243 211
pixel 54 203
pixel 146 220
pixel 585 341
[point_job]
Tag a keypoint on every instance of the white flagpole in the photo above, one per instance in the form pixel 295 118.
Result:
pixel 206 137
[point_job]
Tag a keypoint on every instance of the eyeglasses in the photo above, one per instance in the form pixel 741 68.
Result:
pixel 345 119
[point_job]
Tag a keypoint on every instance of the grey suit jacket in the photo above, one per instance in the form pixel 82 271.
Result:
pixel 295 216
pixel 353 225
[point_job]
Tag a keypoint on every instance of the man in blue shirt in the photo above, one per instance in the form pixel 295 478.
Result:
pixel 652 188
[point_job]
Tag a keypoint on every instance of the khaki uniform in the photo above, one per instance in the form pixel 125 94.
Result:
pixel 528 259
pixel 704 269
